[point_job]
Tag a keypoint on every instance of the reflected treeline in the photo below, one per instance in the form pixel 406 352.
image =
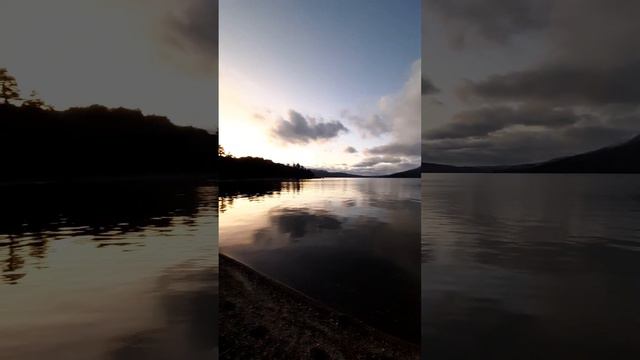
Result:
pixel 352 244
pixel 360 265
pixel 34 215
pixel 229 190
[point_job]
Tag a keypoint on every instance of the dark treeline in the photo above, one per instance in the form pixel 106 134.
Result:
pixel 95 141
pixel 40 143
pixel 258 168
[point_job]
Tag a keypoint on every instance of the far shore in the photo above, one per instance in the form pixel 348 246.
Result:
pixel 109 179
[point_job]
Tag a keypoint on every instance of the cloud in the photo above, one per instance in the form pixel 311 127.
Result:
pixel 372 126
pixel 397 115
pixel 194 30
pixel 594 33
pixel 501 135
pixel 397 149
pixel 566 84
pixel 396 121
pixel 376 160
pixel 492 21
pixel 301 129
pixel 486 120
pixel 591 58
pixel 428 88
pixel 350 150
pixel 383 165
pixel 521 145
pixel 403 109
pixel 580 93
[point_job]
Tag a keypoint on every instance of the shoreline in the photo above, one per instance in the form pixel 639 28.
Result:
pixel 261 318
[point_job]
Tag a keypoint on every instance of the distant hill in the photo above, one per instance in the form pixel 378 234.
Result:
pixel 412 173
pixel 329 174
pixel 96 141
pixel 621 158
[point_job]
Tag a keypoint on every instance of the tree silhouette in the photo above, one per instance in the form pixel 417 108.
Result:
pixel 8 87
pixel 35 102
pixel 221 152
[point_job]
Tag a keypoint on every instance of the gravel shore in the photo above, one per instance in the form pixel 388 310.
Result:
pixel 263 319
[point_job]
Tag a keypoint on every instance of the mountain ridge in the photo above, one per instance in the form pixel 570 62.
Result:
pixel 620 158
pixel 411 173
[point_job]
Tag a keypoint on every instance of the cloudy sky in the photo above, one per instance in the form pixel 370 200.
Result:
pixel 516 81
pixel 328 84
pixel 156 55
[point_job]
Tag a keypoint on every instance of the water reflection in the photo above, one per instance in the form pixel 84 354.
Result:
pixel 108 271
pixel 530 266
pixel 350 243
pixel 188 305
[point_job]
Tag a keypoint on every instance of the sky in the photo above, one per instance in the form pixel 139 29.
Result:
pixel 519 81
pixel 331 84
pixel 159 56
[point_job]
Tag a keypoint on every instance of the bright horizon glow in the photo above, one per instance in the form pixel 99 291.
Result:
pixel 331 62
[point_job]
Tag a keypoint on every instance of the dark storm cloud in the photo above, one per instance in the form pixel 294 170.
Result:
pixel 196 30
pixel 561 84
pixel 580 93
pixel 350 150
pixel 629 119
pixel 301 129
pixel 521 146
pixel 486 120
pixel 596 33
pixel 396 149
pixel 428 88
pixel 592 58
pixel 495 21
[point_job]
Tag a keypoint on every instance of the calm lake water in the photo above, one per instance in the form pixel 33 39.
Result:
pixel 530 266
pixel 353 244
pixel 108 271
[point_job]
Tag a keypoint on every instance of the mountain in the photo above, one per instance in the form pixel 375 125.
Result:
pixel 412 173
pixel 621 158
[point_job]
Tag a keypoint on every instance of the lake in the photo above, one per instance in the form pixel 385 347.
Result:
pixel 352 244
pixel 124 270
pixel 530 266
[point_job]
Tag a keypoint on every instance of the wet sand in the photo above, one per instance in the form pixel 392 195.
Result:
pixel 261 318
